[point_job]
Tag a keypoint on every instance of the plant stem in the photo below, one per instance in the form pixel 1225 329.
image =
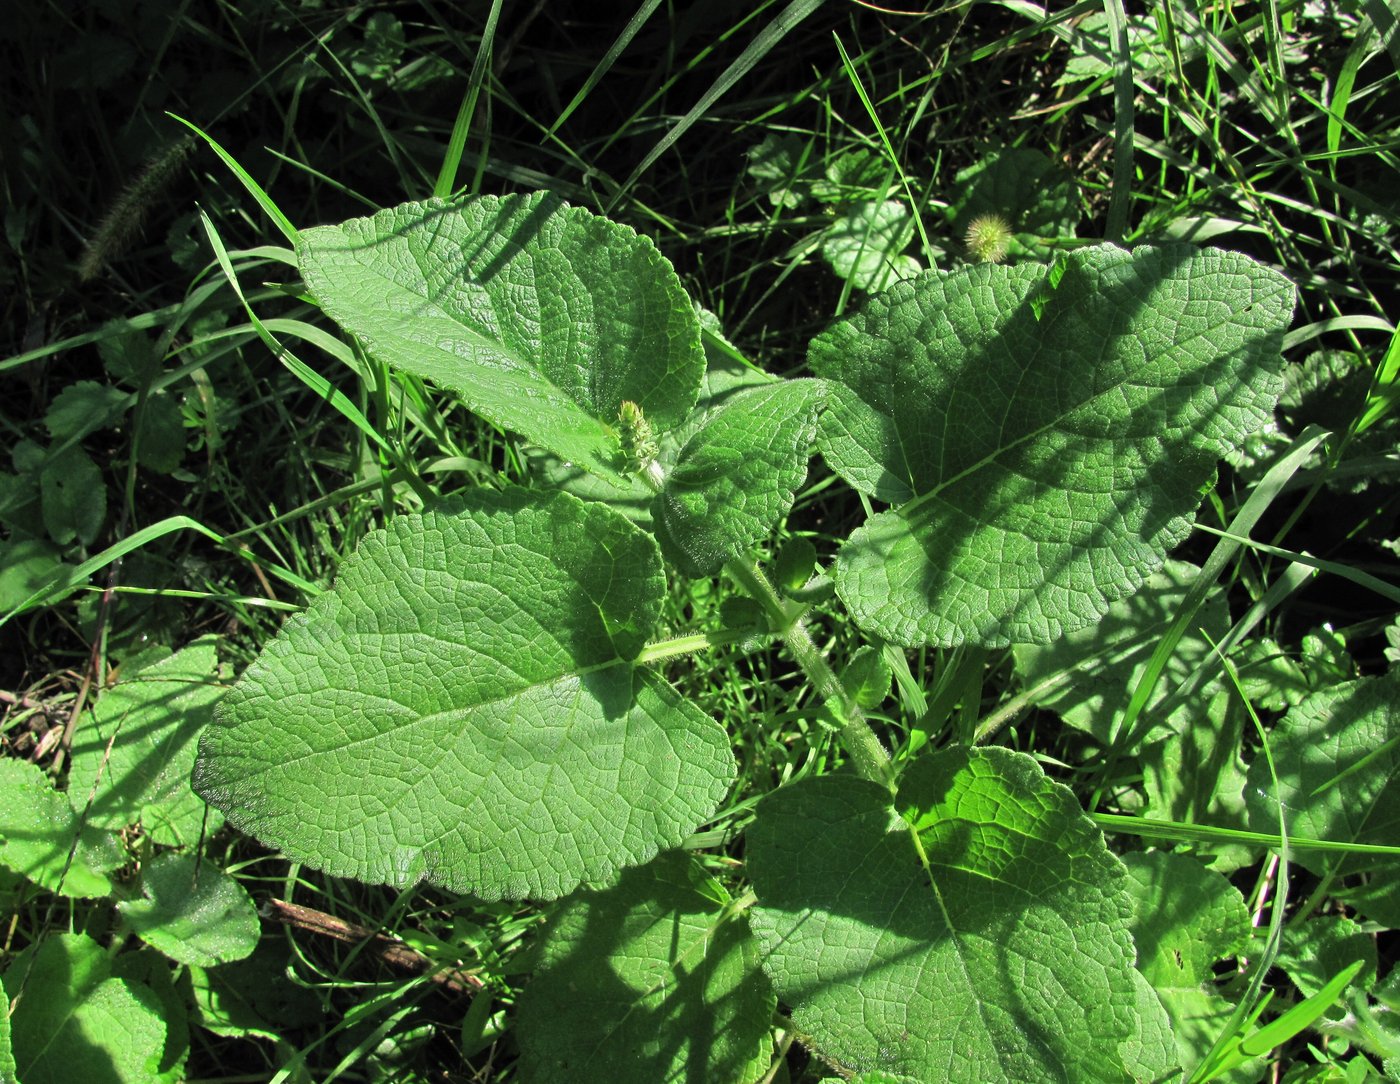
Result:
pixel 688 645
pixel 871 758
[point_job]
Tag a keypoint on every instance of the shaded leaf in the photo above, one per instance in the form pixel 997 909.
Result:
pixel 1187 919
pixel 28 565
pixel 724 379
pixel 1315 950
pixel 74 500
pixel 162 434
pixel 83 408
pixel 252 996
pixel 648 981
pixel 138 747
pixel 1337 755
pixel 77 1023
pixel 1046 439
pixel 463 707
pixel 1089 675
pixel 1030 193
pixel 773 163
pixel 152 970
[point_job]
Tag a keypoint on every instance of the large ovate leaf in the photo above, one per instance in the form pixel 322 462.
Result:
pixel 1044 433
pixel 133 755
pixel 1009 958
pixel 1337 755
pixel 648 981
pixel 543 317
pixel 463 707
pixel 736 477
pixel 77 1022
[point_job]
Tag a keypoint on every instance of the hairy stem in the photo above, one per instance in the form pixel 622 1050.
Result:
pixel 871 758
pixel 688 645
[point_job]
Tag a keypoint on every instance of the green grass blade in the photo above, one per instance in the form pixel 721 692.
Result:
pixel 1123 123
pixel 783 23
pixel 74 577
pixel 624 39
pixel 270 208
pixel 1385 389
pixel 308 376
pixel 447 177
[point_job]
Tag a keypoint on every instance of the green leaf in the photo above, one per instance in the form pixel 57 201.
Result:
pixel 1187 919
pixel 1197 776
pixel 543 317
pixel 193 912
pixel 37 830
pixel 773 163
pixel 853 176
pixel 794 565
pixel 648 981
pixel 75 1022
pixel 1089 675
pixel 26 566
pixel 7 1055
pixel 83 408
pixel 74 498
pixel 128 353
pixel 1009 959
pixel 1046 439
pixel 1337 755
pixel 162 434
pixel 735 478
pixel 867 243
pixel 463 707
pixel 1317 949
pixel 867 677
pixel 724 379
pixel 152 970
pixel 138 748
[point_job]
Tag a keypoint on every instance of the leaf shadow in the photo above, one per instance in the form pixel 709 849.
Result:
pixel 1008 437
pixel 582 1019
pixel 980 962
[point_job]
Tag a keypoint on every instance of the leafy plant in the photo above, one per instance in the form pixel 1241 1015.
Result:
pixel 478 701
